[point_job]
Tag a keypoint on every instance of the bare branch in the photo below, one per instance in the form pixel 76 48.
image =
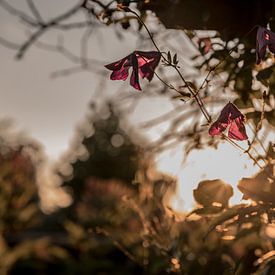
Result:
pixel 35 11
pixel 74 25
pixel 46 26
pixel 59 48
pixel 67 71
pixel 29 42
pixel 74 70
pixel 23 16
pixel 161 118
pixel 9 44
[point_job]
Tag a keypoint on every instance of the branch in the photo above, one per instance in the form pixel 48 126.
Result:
pixel 44 27
pixel 9 44
pixel 23 16
pixel 35 11
pixel 23 48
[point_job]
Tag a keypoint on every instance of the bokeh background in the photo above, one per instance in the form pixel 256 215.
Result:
pixel 97 178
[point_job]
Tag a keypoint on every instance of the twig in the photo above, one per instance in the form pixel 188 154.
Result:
pixel 23 48
pixel 35 11
pixel 23 16
pixel 44 27
pixel 197 98
pixel 9 44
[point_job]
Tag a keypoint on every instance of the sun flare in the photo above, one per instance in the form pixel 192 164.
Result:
pixel 225 163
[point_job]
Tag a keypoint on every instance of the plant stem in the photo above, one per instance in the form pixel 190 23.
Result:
pixel 194 94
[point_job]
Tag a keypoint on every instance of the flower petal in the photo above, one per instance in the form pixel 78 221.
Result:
pixel 147 63
pixel 117 64
pixel 134 80
pixel 264 38
pixel 237 130
pixel 271 43
pixel 228 115
pixel 120 68
pixel 217 128
pixel 233 111
pixel 122 74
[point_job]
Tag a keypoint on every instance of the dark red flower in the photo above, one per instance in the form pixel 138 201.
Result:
pixel 265 38
pixel 230 115
pixel 143 64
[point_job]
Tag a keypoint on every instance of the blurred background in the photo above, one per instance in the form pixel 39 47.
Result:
pixel 98 178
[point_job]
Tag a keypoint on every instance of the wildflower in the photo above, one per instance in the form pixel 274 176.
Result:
pixel 143 64
pixel 232 117
pixel 265 38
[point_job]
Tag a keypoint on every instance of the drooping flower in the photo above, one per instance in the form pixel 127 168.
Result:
pixel 265 38
pixel 232 117
pixel 142 63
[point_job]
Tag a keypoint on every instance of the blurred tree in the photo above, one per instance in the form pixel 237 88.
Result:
pixel 113 183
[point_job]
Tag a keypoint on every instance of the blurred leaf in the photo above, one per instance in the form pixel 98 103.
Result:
pixel 213 193
pixel 270 116
pixel 271 151
pixel 247 231
pixel 76 231
pixel 227 214
pixel 27 213
pixel 242 105
pixel 259 188
pixel 208 210
pixel 255 116
pixel 264 75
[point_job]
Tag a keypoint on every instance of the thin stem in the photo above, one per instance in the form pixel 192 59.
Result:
pixel 148 31
pixel 223 59
pixel 198 99
pixel 243 150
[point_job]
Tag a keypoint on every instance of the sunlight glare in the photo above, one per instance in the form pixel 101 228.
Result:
pixel 225 163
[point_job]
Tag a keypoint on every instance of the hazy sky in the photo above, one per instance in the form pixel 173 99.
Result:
pixel 49 109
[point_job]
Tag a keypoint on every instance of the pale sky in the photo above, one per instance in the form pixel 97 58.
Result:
pixel 49 109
